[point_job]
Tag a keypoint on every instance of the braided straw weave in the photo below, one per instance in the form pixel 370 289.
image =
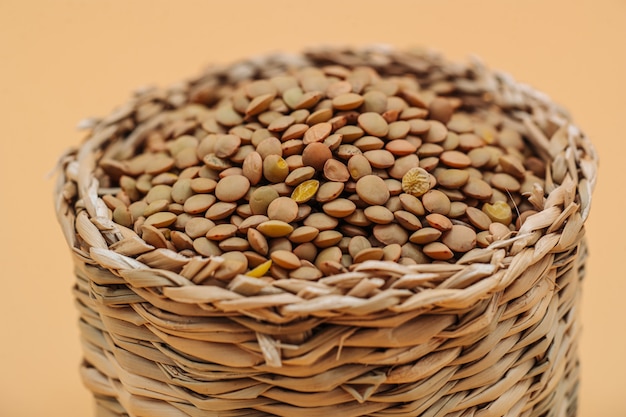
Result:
pixel 494 334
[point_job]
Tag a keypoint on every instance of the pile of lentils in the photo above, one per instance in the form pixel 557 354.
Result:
pixel 305 173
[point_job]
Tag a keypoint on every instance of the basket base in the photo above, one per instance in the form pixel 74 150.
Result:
pixel 109 406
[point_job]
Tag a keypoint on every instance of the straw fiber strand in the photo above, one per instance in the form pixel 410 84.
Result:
pixel 495 334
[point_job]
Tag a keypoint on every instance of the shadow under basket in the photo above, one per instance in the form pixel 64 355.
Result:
pixel 494 334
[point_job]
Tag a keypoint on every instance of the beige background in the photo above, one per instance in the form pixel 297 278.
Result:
pixel 64 60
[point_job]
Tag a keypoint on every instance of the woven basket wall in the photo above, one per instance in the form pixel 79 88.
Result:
pixel 495 334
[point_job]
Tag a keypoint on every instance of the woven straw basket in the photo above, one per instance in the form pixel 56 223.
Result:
pixel 494 334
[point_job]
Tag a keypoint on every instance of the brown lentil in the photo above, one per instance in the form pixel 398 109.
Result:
pixel 429 163
pixel 370 254
pixel 155 207
pixel 373 123
pixel 226 145
pixel 317 133
pixel 452 178
pixel 358 218
pixel 281 123
pixel 285 259
pixel 439 221
pixel 403 165
pixel 436 202
pixel 499 231
pixel 455 159
pixel 321 221
pixel 299 175
pixel 483 239
pixel 438 251
pixel 304 234
pixel 380 158
pixel 294 131
pixel 374 101
pixel 369 143
pixel 232 188
pixel 257 241
pixel 459 238
pixel 123 215
pixel 477 188
pixel 269 146
pixel 306 272
pixel 437 132
pixel 327 238
pixel 505 182
pixel 347 101
pixel 315 155
pixel 392 252
pixel 340 207
pixel 346 151
pixel 378 214
pixel 401 147
pixel 512 166
pixel 478 218
pixel 283 208
pixel 319 116
pixel 220 210
pixel 457 209
pixel 202 185
pixel 395 188
pixel 198 226
pixel 372 190
pixel 412 204
pixel 333 142
pixel 334 170
pixel 221 231
pixel 233 244
pixel 407 220
pixel 198 203
pixel 469 141
pixel 359 166
pixel 440 109
pixel 425 235
pixel 306 251
pixel 329 166
pixel 390 233
pixel 329 191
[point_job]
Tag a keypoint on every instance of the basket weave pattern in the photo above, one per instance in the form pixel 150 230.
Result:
pixel 495 334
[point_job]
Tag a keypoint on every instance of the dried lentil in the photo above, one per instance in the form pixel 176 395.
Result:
pixel 324 157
